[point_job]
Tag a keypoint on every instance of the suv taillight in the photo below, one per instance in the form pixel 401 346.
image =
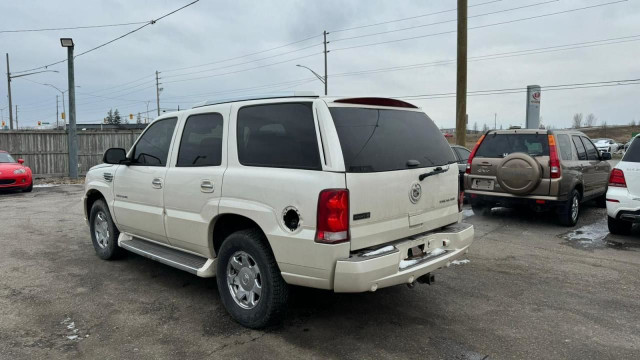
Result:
pixel 333 216
pixel 554 161
pixel 473 153
pixel 617 178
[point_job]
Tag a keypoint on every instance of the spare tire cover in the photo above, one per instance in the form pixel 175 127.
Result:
pixel 519 173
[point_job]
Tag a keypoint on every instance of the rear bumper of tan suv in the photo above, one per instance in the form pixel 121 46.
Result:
pixel 506 199
pixel 388 266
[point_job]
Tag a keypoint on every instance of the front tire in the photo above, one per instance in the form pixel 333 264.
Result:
pixel 570 213
pixel 104 234
pixel 29 188
pixel 619 227
pixel 249 281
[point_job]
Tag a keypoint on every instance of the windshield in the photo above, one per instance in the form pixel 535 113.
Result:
pixel 6 158
pixel 375 140
pixel 500 145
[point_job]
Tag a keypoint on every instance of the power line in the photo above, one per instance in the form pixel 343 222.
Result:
pixel 410 18
pixel 481 26
pixel 152 22
pixel 446 21
pixel 73 27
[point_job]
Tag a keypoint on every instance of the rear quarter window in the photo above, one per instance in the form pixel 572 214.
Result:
pixel 633 152
pixel 565 147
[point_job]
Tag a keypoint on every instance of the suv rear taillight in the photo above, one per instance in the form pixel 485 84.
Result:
pixel 617 178
pixel 333 216
pixel 554 161
pixel 473 153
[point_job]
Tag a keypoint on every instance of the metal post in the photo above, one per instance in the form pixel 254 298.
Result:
pixel 461 87
pixel 16 117
pixel 326 78
pixel 73 141
pixel 64 125
pixel 57 113
pixel 495 121
pixel 9 92
pixel 157 93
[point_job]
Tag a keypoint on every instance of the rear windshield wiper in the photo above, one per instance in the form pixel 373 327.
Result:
pixel 436 171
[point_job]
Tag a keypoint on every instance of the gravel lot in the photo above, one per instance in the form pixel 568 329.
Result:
pixel 531 289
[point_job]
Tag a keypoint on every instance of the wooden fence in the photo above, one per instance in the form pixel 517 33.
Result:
pixel 47 153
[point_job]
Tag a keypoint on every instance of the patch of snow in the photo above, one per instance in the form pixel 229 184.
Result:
pixel 436 252
pixel 460 262
pixel 72 337
pixel 43 185
pixel 379 251
pixel 467 213
pixel 71 326
pixel 406 263
pixel 591 235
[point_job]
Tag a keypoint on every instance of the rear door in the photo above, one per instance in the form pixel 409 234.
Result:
pixel 400 171
pixel 598 167
pixel 584 166
pixel 193 183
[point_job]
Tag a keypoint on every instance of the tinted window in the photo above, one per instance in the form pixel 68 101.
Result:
pixel 201 143
pixel 582 152
pixel 375 140
pixel 564 145
pixel 153 147
pixel 463 154
pixel 278 135
pixel 592 152
pixel 633 152
pixel 500 145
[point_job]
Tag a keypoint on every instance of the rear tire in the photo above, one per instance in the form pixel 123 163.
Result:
pixel 481 209
pixel 570 212
pixel 619 227
pixel 249 280
pixel 104 234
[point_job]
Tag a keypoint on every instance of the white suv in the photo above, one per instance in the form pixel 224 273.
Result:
pixel 623 195
pixel 349 195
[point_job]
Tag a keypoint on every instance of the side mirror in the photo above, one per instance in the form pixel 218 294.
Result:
pixel 114 156
pixel 20 161
pixel 606 156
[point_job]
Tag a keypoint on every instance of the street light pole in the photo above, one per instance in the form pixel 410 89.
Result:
pixel 73 140
pixel 461 86
pixel 9 90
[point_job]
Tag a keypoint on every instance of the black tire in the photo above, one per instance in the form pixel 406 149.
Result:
pixel 481 209
pixel 619 227
pixel 108 250
pixel 271 305
pixel 30 188
pixel 566 215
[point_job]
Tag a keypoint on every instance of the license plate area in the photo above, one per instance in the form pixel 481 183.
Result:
pixel 483 184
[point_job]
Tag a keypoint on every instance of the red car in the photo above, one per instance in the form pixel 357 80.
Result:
pixel 13 174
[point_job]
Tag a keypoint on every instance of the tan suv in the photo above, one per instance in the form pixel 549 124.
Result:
pixel 542 169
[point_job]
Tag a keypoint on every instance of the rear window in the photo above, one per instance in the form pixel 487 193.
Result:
pixel 375 140
pixel 500 145
pixel 633 152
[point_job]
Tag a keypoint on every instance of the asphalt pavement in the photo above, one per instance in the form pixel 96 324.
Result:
pixel 531 289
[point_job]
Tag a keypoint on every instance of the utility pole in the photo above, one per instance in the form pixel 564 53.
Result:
pixel 495 121
pixel 157 92
pixel 57 114
pixel 16 117
pixel 461 85
pixel 72 139
pixel 9 92
pixel 326 78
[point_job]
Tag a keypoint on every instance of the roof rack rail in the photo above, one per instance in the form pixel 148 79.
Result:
pixel 305 94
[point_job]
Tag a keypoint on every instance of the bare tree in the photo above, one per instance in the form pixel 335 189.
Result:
pixel 485 128
pixel 633 122
pixel 590 120
pixel 475 127
pixel 577 120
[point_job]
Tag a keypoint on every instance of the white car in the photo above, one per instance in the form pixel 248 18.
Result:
pixel 342 194
pixel 623 195
pixel 606 145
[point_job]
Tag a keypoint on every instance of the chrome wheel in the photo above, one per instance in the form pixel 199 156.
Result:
pixel 101 229
pixel 575 206
pixel 244 280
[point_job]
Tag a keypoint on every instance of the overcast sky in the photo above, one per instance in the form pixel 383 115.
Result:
pixel 121 75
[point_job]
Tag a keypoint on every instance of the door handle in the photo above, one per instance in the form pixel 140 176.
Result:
pixel 206 186
pixel 157 183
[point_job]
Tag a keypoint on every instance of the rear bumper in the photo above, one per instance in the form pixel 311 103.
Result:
pixel 501 199
pixel 360 273
pixel 622 205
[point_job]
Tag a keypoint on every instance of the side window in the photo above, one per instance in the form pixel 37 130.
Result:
pixel 278 135
pixel 582 152
pixel 153 147
pixel 201 143
pixel 592 152
pixel 565 147
pixel 463 154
